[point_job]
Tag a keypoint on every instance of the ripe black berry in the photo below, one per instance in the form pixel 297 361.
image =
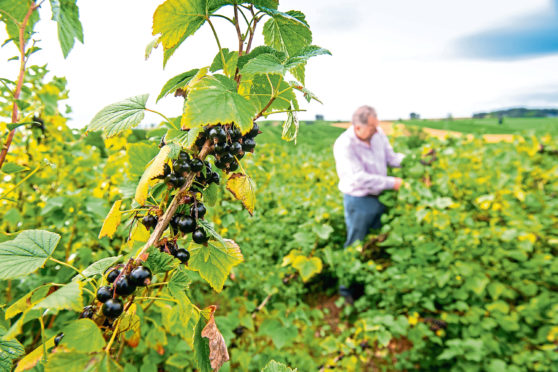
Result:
pixel 196 165
pixel 184 155
pixel 166 170
pixel 186 224
pixel 149 221
pixel 221 148
pixel 180 166
pixel 87 312
pixel 174 222
pixel 113 308
pixel 214 178
pixel 124 286
pixel 104 293
pixel 254 131
pixel 248 144
pixel 220 164
pixel 183 255
pixel 217 134
pixel 171 180
pixel 199 236
pixel 226 158
pixel 235 133
pixel 140 276
pixel 233 165
pixel 58 338
pixel 112 275
pixel 197 210
pixel 180 181
pixel 236 148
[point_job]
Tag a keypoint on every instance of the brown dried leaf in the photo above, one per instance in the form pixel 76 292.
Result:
pixel 218 353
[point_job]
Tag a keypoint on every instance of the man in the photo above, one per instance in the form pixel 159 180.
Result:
pixel 362 154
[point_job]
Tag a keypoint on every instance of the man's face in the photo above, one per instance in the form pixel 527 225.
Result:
pixel 367 131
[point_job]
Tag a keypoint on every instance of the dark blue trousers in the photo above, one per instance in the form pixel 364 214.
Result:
pixel 362 213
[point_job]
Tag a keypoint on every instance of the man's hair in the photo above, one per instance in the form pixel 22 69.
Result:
pixel 361 115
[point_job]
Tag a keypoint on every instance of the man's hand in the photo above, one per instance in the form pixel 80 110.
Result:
pixel 398 183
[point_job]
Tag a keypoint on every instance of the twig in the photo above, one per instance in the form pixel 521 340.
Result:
pixel 261 306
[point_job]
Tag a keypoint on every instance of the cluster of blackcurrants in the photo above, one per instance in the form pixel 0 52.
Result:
pixel 175 177
pixel 229 145
pixel 173 249
pixel 122 285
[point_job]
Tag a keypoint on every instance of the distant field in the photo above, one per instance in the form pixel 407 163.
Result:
pixel 491 126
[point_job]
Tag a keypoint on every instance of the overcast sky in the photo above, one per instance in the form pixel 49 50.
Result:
pixel 433 57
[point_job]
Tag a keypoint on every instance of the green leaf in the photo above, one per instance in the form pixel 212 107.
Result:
pixel 290 127
pixel 13 168
pixel 9 351
pixel 14 11
pixel 214 100
pixel 177 82
pixel 66 298
pixel 307 267
pixel 261 93
pixel 160 262
pixel 139 154
pixel 185 139
pixel 201 348
pixel 26 253
pixel 259 50
pixel 68 361
pixel 66 14
pixel 99 267
pixel 308 95
pixel 176 20
pixel 215 263
pixel 287 32
pixel 119 116
pixel 210 195
pixel 179 281
pixel 231 61
pixel 281 334
pixel 73 336
pixel 323 231
pixel 263 64
pixel 274 366
pixel 304 55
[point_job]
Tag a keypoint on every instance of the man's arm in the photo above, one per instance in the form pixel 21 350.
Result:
pixel 393 158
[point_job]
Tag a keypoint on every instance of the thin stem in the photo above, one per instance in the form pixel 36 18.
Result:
pixel 19 183
pixel 281 112
pixel 163 116
pixel 67 265
pixel 218 42
pixel 157 298
pixel 19 85
pixel 109 345
pixel 222 16
pixel 43 339
pixel 252 30
pixel 157 284
pixel 238 32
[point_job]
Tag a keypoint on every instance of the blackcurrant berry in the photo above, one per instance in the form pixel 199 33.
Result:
pixel 124 286
pixel 215 178
pixel 87 312
pixel 220 164
pixel 113 308
pixel 180 166
pixel 186 224
pixel 226 158
pixel 184 155
pixel 174 222
pixel 180 181
pixel 197 210
pixel 171 180
pixel 196 165
pixel 104 293
pixel 248 144
pixel 236 148
pixel 166 170
pixel 141 276
pixel 221 148
pixel 183 255
pixel 149 221
pixel 217 134
pixel 58 338
pixel 112 275
pixel 233 165
pixel 199 236
pixel 254 131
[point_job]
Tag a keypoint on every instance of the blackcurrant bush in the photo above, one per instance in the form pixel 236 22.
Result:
pixel 254 131
pixel 87 312
pixel 221 148
pixel 217 134
pixel 124 286
pixel 196 165
pixel 183 255
pixel 226 158
pixel 199 236
pixel 186 224
pixel 236 148
pixel 197 210
pixel 141 276
pixel 112 275
pixel 248 144
pixel 58 338
pixel 233 165
pixel 104 293
pixel 113 308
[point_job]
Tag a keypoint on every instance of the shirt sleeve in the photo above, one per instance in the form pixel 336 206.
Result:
pixel 393 158
pixel 353 179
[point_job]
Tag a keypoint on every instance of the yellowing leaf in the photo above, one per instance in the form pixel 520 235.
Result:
pixel 130 325
pixel 218 353
pixel 154 169
pixel 307 267
pixel 112 220
pixel 175 20
pixel 31 359
pixel 139 234
pixel 244 189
